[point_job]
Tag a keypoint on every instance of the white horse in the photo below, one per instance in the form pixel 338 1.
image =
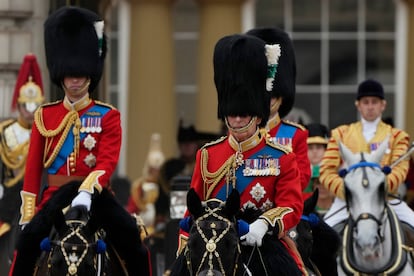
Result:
pixel 373 242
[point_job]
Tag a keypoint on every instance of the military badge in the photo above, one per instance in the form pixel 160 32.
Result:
pixel 90 160
pixel 257 192
pixel 267 205
pixel 89 142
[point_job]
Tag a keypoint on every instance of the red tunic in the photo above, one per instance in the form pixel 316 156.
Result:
pixel 259 186
pixel 294 136
pixel 99 145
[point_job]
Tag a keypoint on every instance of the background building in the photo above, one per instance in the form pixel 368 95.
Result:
pixel 159 65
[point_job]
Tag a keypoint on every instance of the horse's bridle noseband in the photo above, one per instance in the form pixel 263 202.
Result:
pixel 365 216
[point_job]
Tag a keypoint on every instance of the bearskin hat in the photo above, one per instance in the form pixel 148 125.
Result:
pixel 75 45
pixel 240 73
pixel 284 85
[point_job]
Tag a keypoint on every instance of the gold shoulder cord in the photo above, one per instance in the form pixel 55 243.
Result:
pixel 211 179
pixel 15 160
pixel 71 118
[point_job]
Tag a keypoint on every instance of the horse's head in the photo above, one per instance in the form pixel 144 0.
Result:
pixel 213 244
pixel 76 248
pixel 365 192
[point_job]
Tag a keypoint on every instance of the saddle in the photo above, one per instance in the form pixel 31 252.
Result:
pixel 398 257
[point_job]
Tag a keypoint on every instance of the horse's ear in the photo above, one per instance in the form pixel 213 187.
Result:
pixel 376 155
pixel 350 157
pixel 310 202
pixel 233 203
pixel 194 203
pixel 60 223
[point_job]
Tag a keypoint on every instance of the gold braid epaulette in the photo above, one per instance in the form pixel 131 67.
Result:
pixel 294 124
pixel 71 118
pixel 15 159
pixel 219 140
pixel 275 216
pixel 105 104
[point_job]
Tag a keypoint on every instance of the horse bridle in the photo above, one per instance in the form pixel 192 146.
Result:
pixel 72 260
pixel 365 182
pixel 211 244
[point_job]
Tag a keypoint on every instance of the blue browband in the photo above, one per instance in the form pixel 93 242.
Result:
pixel 385 169
pixel 364 164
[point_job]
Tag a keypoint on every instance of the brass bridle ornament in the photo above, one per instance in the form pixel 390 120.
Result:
pixel 211 243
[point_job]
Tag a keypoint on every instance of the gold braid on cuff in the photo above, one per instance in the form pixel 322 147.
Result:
pixel 28 208
pixel 91 182
pixel 275 216
pixel 182 243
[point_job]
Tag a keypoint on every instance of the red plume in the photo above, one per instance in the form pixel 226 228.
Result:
pixel 29 68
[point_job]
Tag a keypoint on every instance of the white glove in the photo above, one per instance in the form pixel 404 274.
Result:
pixel 83 198
pixel 257 230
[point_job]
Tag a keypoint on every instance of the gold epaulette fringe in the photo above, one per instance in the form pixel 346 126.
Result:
pixel 294 124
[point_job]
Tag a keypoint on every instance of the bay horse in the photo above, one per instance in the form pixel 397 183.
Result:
pixel 373 240
pixel 104 241
pixel 214 247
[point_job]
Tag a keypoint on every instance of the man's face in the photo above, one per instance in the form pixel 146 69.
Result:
pixel 315 153
pixel 76 87
pixel 25 114
pixel 239 122
pixel 370 107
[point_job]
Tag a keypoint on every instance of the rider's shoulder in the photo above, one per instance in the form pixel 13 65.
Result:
pixel 215 142
pixel 278 146
pixel 6 122
pixel 104 104
pixel 294 124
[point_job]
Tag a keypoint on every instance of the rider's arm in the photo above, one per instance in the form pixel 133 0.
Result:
pixel 399 146
pixel 330 165
pixel 33 172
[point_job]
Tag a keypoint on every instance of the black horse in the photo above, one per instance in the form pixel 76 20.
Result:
pixel 104 241
pixel 214 247
pixel 317 242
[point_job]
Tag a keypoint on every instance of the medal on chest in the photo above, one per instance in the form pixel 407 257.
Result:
pixel 261 166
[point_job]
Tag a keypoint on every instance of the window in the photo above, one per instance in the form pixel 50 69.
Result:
pixel 338 44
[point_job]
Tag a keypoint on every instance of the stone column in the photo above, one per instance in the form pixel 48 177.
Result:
pixel 409 94
pixel 217 19
pixel 151 97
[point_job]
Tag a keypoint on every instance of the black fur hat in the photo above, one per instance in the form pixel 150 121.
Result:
pixel 284 84
pixel 75 45
pixel 240 73
pixel 318 134
pixel 370 88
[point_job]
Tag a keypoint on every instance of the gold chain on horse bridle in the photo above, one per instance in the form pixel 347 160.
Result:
pixel 211 244
pixel 73 263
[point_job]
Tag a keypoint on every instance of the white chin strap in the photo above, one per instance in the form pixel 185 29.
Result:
pixel 242 129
